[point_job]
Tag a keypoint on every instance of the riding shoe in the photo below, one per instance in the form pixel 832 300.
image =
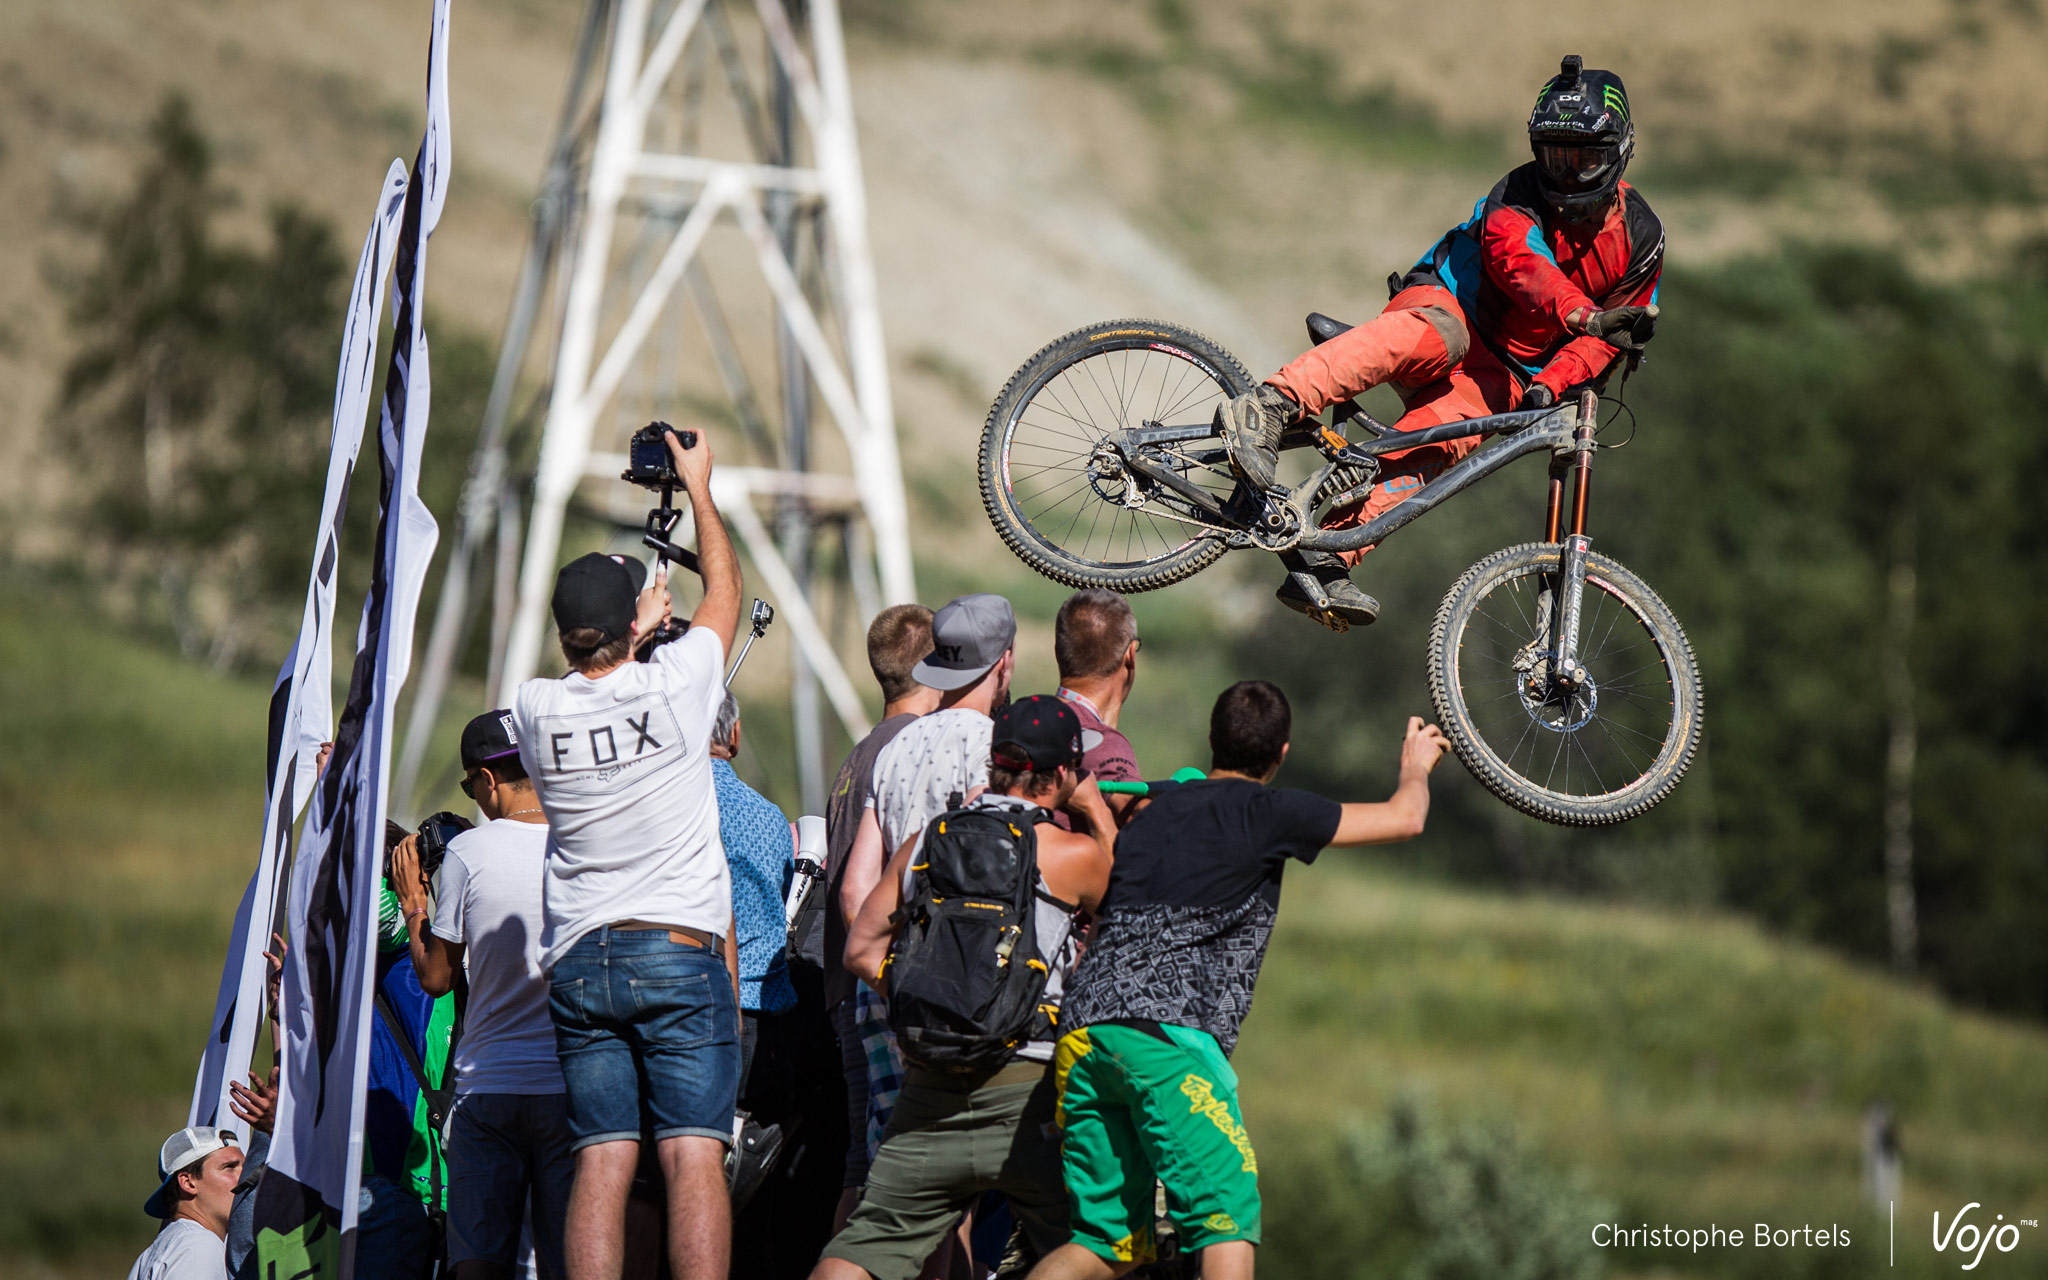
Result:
pixel 1250 425
pixel 1342 606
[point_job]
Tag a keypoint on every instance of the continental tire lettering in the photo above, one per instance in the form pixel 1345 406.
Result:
pixel 1125 333
pixel 1202 1100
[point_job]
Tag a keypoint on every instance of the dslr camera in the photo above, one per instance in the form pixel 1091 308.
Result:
pixel 649 465
pixel 648 462
pixel 434 834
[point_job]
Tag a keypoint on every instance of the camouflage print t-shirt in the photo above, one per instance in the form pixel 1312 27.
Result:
pixel 1192 899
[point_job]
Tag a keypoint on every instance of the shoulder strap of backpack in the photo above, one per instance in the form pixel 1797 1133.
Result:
pixel 439 1101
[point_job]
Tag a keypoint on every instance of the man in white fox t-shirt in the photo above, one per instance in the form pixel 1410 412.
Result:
pixel 638 935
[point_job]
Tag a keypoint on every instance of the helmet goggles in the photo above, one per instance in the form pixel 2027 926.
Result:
pixel 1577 166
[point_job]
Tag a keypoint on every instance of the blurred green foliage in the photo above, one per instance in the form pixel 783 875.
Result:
pixel 1417 1199
pixel 1799 409
pixel 196 408
pixel 1603 1062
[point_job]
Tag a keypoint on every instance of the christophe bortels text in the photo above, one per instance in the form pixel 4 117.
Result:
pixel 1612 1235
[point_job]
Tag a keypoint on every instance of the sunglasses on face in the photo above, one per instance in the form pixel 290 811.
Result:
pixel 469 783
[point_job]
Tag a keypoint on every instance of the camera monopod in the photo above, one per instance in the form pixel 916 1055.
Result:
pixel 764 613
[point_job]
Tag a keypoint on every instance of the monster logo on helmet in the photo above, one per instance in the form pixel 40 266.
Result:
pixel 1582 139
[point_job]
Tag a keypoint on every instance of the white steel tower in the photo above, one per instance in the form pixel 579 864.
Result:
pixel 716 172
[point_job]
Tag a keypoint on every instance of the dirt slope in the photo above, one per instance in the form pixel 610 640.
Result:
pixel 1034 167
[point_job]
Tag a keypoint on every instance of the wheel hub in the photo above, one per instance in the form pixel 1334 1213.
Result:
pixel 1111 479
pixel 1561 702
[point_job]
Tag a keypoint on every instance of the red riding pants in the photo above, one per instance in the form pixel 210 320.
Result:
pixel 1422 345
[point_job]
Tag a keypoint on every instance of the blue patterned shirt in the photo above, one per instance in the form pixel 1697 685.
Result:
pixel 762 856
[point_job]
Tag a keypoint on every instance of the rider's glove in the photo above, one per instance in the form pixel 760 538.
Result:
pixel 1628 328
pixel 1538 396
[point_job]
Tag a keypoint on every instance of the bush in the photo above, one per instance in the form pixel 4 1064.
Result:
pixel 1419 1199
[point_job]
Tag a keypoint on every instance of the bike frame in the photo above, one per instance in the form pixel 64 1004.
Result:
pixel 1559 429
pixel 1565 430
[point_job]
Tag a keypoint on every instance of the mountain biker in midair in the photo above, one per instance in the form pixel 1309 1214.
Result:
pixel 1533 297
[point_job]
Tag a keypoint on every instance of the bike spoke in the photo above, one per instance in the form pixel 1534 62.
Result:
pixel 1085 505
pixel 1581 743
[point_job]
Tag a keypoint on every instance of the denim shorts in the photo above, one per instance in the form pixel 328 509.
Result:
pixel 649 1037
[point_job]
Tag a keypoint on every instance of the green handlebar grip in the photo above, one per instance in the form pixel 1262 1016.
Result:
pixel 1188 774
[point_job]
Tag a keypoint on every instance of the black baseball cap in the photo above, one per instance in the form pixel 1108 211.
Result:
pixel 1036 734
pixel 600 592
pixel 969 635
pixel 487 738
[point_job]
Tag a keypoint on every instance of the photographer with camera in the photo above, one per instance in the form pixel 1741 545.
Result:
pixel 404 1197
pixel 508 1133
pixel 638 936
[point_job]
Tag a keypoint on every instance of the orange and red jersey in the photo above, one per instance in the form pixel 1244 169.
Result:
pixel 1517 277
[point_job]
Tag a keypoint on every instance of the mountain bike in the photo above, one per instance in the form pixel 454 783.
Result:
pixel 1564 684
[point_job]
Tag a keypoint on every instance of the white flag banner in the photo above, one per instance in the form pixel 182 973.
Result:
pixel 306 1203
pixel 302 701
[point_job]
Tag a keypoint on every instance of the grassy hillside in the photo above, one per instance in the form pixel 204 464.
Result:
pixel 1682 1070
pixel 132 787
pixel 1690 1070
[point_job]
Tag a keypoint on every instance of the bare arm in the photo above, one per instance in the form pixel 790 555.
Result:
pixel 1401 815
pixel 873 929
pixel 720 608
pixel 1086 869
pixel 1075 867
pixel 434 959
pixel 863 866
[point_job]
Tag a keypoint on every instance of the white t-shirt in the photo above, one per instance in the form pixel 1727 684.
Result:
pixel 624 775
pixel 183 1250
pixel 934 756
pixel 491 887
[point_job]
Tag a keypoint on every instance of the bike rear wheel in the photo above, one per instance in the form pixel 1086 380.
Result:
pixel 1052 484
pixel 1598 755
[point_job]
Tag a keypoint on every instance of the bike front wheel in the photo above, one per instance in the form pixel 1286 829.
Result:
pixel 1595 755
pixel 1054 483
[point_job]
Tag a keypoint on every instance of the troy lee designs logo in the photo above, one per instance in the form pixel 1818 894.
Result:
pixel 1969 1238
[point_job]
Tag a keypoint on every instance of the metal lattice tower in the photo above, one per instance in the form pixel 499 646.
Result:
pixel 712 173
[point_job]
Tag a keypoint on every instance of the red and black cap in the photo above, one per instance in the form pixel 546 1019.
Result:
pixel 1036 735
pixel 600 592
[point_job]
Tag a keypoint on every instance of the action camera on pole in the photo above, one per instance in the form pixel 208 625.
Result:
pixel 650 465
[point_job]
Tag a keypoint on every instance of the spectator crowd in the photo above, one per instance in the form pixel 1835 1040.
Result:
pixel 994 1039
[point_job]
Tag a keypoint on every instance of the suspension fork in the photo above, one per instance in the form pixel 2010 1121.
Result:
pixel 1575 544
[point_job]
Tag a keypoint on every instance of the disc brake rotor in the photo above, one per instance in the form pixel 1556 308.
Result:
pixel 1551 704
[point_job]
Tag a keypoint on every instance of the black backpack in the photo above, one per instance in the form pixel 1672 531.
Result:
pixel 966 976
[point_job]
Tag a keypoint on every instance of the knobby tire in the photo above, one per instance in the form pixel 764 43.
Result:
pixel 1485 760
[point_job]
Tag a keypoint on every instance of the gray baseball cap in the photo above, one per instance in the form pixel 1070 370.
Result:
pixel 969 635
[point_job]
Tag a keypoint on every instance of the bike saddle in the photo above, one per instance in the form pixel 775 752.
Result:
pixel 1321 328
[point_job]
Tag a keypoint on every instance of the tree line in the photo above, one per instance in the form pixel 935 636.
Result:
pixel 1835 480
pixel 194 411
